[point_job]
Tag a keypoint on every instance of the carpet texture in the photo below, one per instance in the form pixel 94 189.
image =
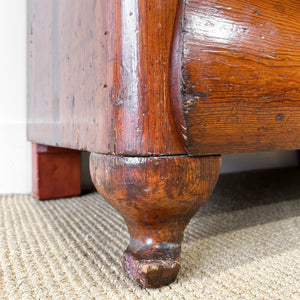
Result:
pixel 243 244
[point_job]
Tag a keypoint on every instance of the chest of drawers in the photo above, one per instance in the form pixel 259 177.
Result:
pixel 157 91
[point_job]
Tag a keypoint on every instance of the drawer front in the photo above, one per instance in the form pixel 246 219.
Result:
pixel 238 85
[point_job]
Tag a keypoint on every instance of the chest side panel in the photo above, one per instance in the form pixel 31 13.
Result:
pixel 98 76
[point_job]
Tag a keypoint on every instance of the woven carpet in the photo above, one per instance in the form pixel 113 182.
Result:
pixel 243 244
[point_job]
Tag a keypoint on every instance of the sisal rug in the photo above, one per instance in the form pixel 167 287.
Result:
pixel 243 244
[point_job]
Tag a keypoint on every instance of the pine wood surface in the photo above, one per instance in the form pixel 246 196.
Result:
pixel 238 75
pixel 99 76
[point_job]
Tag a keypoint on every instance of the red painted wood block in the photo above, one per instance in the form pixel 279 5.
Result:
pixel 56 172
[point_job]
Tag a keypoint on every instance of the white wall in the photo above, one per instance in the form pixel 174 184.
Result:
pixel 15 154
pixel 15 151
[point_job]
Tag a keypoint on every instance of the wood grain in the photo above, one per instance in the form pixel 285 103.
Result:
pixel 237 81
pixel 99 76
pixel 157 196
pixel 56 172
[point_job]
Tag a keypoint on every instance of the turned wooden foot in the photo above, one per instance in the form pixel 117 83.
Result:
pixel 157 196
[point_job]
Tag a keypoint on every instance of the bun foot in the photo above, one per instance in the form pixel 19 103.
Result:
pixel 157 197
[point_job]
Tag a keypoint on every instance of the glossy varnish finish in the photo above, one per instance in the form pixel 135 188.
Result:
pixel 99 79
pixel 157 198
pixel 237 87
pixel 99 75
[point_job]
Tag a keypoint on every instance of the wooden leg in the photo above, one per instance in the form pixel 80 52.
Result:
pixel 56 172
pixel 157 196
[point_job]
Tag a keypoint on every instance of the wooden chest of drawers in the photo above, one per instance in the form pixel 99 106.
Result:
pixel 158 90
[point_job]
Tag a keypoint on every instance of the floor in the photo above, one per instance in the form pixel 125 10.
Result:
pixel 243 244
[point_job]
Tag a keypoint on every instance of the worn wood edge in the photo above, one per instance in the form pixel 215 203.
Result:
pixel 157 197
pixel 176 75
pixel 46 149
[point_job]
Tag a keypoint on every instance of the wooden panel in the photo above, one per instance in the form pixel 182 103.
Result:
pixel 99 75
pixel 238 77
pixel 56 172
